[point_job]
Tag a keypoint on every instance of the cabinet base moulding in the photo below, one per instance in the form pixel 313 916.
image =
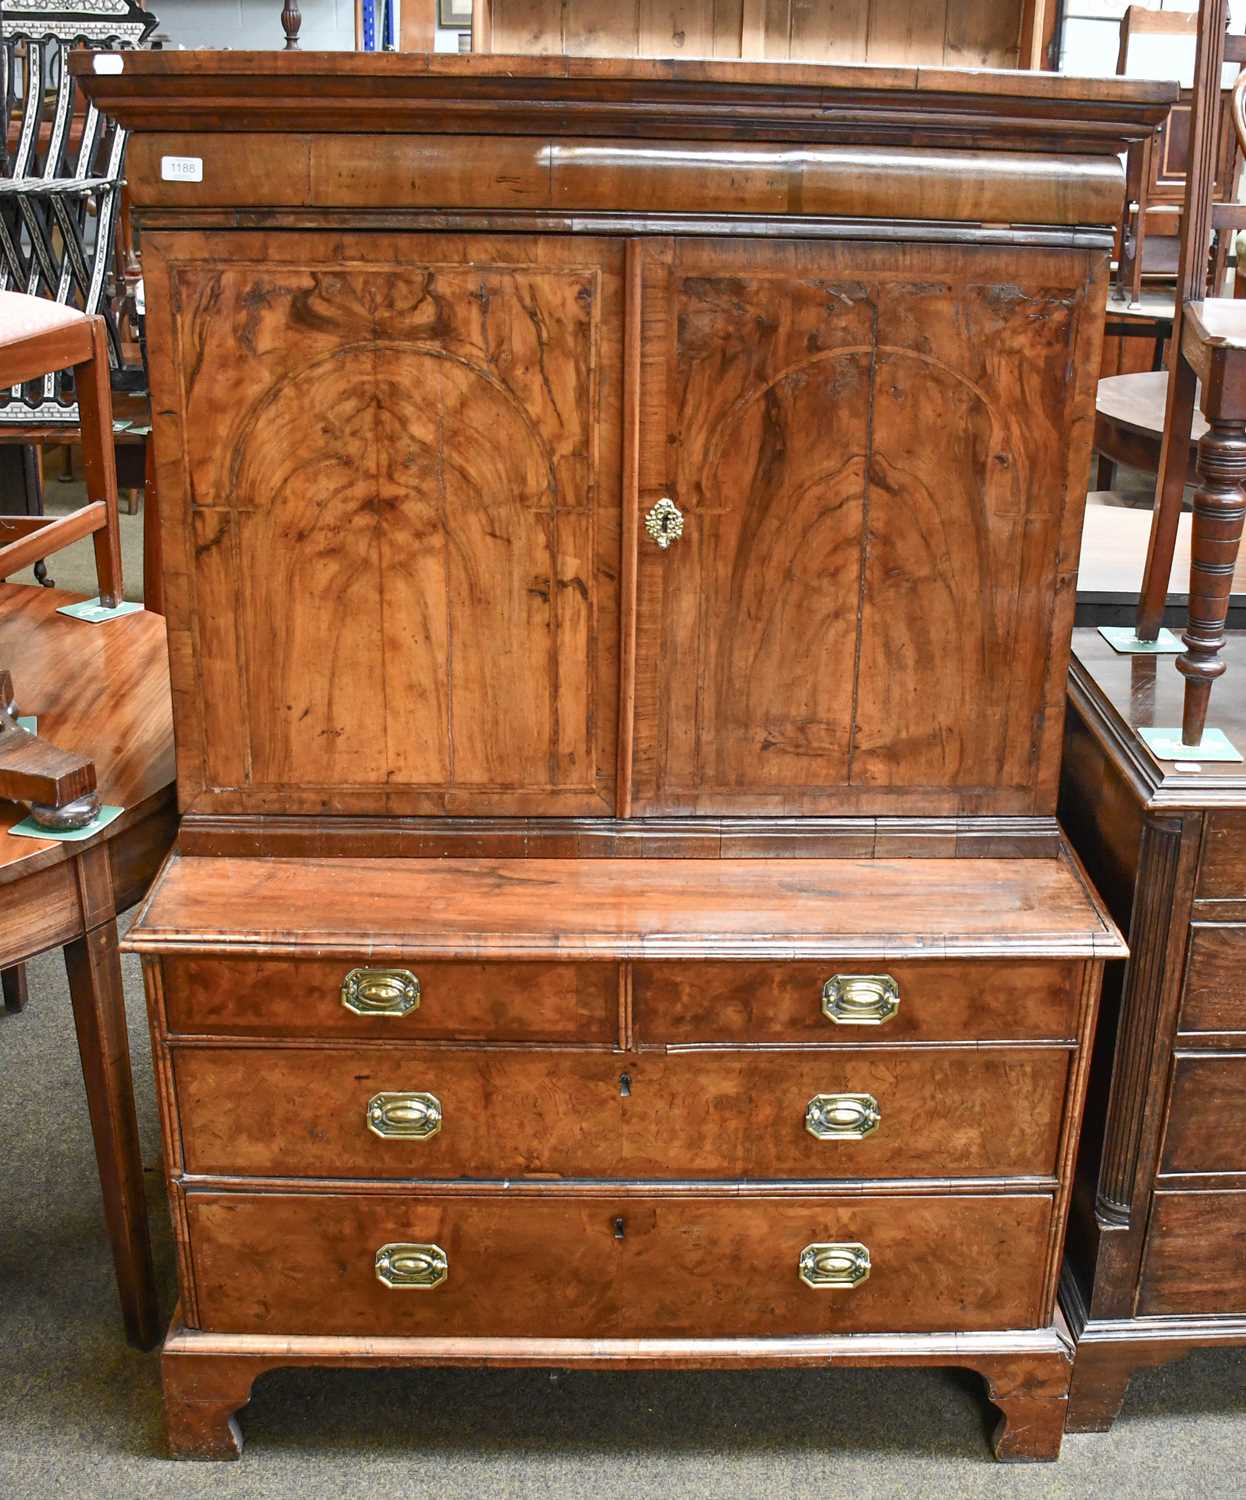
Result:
pixel 208 1377
pixel 1111 1351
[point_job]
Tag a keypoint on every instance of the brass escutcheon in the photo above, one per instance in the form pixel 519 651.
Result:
pixel 665 523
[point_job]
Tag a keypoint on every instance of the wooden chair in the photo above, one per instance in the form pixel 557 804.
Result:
pixel 37 335
pixel 61 187
pixel 1156 172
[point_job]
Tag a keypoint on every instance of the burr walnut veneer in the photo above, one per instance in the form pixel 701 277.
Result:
pixel 621 524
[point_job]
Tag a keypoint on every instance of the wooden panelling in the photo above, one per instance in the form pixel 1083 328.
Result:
pixel 769 1003
pixel 566 1267
pixel 875 516
pixel 877 31
pixel 1206 1115
pixel 506 1113
pixel 788 909
pixel 426 431
pixel 460 1001
pixel 1214 999
pixel 1196 1255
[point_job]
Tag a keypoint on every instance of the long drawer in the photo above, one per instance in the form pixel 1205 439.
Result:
pixel 434 1112
pixel 612 1266
pixel 853 1003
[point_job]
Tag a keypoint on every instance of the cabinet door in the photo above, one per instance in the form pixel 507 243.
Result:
pixel 392 519
pixel 880 454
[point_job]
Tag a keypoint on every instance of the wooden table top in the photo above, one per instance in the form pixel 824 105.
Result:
pixel 1136 404
pixel 1147 691
pixel 99 689
pixel 1114 548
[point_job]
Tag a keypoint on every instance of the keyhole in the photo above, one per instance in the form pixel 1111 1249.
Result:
pixel 619 1229
pixel 625 1085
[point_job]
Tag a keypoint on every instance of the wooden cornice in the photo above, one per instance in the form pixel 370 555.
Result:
pixel 422 93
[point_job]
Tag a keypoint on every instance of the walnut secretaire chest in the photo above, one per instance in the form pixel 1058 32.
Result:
pixel 619 527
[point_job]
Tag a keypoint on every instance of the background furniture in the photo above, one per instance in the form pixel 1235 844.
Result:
pixel 1156 1262
pixel 37 335
pixel 1114 544
pixel 1129 424
pixel 100 692
pixel 1157 170
pixel 61 167
pixel 970 33
pixel 679 506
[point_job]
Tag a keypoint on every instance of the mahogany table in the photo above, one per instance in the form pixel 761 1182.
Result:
pixel 1129 424
pixel 102 690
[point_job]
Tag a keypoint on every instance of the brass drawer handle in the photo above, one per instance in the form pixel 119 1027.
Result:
pixel 827 1267
pixel 411 1267
pixel 665 523
pixel 860 999
pixel 842 1117
pixel 381 992
pixel 404 1117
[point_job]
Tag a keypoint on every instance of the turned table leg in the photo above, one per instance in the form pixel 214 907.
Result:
pixel 1219 510
pixel 203 1394
pixel 94 966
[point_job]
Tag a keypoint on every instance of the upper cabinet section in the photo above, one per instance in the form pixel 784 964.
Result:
pixel 431 337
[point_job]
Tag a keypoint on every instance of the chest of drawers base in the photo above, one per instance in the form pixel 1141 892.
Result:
pixel 208 1377
pixel 658 1113
pixel 1157 1238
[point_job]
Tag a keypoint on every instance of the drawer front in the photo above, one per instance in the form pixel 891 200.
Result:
pixel 492 1112
pixel 1215 980
pixel 507 1002
pixel 630 1265
pixel 1196 1255
pixel 935 1001
pixel 1222 868
pixel 1206 1129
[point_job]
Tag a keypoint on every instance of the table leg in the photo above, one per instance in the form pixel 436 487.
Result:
pixel 13 984
pixel 1216 533
pixel 94 966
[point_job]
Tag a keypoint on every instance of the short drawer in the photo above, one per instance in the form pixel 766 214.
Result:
pixel 425 1112
pixel 1196 1255
pixel 1206 1129
pixel 865 1002
pixel 509 1002
pixel 1222 868
pixel 632 1264
pixel 1215 979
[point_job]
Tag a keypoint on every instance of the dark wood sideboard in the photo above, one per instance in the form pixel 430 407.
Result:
pixel 1157 1238
pixel 621 524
